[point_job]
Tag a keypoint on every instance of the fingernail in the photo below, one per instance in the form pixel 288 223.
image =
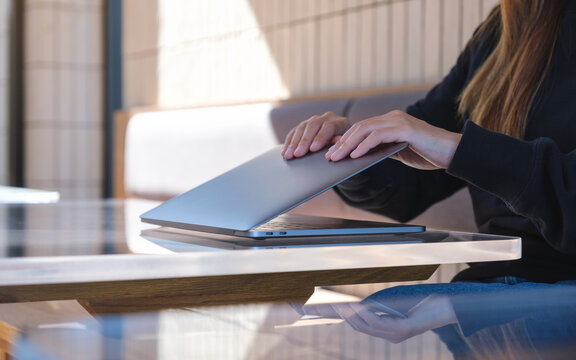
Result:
pixel 335 156
pixel 315 145
pixel 300 150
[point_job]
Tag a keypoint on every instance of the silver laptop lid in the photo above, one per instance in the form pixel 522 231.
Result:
pixel 260 190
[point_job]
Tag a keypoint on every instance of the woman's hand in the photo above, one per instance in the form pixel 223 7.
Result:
pixel 429 148
pixel 314 134
pixel 431 313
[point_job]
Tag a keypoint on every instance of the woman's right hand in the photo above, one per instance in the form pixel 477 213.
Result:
pixel 314 134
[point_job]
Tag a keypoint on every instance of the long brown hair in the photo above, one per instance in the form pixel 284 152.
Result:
pixel 502 91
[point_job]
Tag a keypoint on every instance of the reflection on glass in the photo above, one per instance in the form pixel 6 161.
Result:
pixel 475 320
pixel 62 229
pixel 432 321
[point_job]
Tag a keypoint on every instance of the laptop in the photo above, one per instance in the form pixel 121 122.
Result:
pixel 248 201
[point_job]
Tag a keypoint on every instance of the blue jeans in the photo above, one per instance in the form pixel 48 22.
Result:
pixel 545 313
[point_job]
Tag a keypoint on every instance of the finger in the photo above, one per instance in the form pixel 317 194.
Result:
pixel 370 142
pixel 313 125
pixel 322 310
pixel 348 313
pixel 296 136
pixel 375 138
pixel 357 131
pixel 343 309
pixel 287 142
pixel 367 134
pixel 324 135
pixel 381 322
pixel 340 141
pixel 358 320
pixel 384 326
pixel 349 141
pixel 330 131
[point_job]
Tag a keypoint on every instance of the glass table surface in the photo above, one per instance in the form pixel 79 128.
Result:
pixel 498 323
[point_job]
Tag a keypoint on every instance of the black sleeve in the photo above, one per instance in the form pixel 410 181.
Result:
pixel 396 190
pixel 534 178
pixel 401 192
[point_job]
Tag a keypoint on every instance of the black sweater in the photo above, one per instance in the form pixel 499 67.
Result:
pixel 521 188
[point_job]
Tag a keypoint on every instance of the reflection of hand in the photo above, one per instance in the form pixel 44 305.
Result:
pixel 431 313
pixel 326 311
pixel 429 148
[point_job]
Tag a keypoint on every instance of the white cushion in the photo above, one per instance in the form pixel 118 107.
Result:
pixel 170 152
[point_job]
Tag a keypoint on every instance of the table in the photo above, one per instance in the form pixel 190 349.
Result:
pixel 93 251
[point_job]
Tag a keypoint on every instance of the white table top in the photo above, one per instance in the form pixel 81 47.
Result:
pixel 71 242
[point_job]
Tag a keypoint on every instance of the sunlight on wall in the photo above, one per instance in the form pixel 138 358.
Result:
pixel 181 53
pixel 213 53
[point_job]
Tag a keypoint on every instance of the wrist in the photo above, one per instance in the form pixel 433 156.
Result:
pixel 452 146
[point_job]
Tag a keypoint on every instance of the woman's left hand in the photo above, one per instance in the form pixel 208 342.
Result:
pixel 429 148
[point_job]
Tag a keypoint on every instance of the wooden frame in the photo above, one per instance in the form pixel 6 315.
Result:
pixel 146 295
